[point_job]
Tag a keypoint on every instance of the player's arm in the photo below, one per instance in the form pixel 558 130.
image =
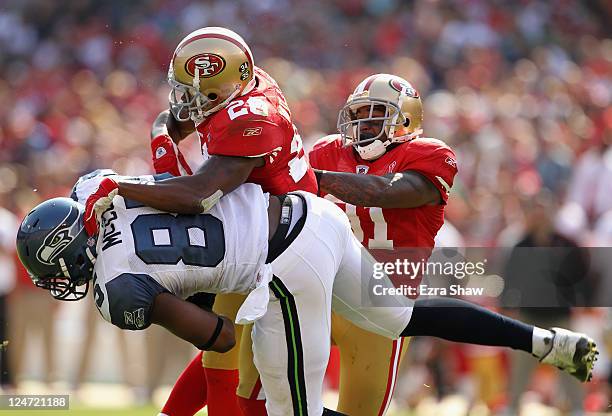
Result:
pixel 165 153
pixel 197 193
pixel 233 157
pixel 166 124
pixel 407 189
pixel 206 330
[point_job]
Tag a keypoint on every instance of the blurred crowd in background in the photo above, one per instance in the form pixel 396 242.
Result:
pixel 521 90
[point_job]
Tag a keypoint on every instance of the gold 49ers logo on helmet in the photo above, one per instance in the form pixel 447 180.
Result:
pixel 403 88
pixel 208 65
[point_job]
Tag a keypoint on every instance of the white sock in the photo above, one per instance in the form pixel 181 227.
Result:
pixel 541 342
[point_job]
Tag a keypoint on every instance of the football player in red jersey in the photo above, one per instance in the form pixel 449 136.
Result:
pixel 397 181
pixel 238 111
pixel 393 184
pixel 246 134
pixel 245 130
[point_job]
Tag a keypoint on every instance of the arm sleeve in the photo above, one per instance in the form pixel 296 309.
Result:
pixel 130 300
pixel 440 168
pixel 248 136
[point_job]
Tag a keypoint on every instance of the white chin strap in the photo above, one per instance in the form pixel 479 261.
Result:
pixel 199 118
pixel 373 150
pixel 378 148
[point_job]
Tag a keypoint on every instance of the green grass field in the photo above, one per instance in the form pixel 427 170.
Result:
pixel 152 411
pixel 135 411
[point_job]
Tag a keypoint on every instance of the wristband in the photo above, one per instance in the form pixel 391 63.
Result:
pixel 208 203
pixel 214 336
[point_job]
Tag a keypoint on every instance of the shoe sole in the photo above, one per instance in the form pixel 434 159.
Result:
pixel 584 359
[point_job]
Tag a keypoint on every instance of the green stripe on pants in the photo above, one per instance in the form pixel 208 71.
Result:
pixel 295 368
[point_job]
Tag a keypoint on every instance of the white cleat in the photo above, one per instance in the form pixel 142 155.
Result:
pixel 572 352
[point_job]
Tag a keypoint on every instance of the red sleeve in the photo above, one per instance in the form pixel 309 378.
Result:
pixel 440 167
pixel 249 136
pixel 321 155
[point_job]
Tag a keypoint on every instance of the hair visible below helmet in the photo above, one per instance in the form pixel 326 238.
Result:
pixel 402 120
pixel 55 249
pixel 209 68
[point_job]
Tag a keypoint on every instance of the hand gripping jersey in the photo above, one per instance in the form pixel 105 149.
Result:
pixel 143 252
pixel 259 124
pixel 384 228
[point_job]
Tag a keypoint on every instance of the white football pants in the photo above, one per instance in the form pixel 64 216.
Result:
pixel 324 266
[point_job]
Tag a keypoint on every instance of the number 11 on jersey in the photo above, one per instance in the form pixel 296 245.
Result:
pixel 361 218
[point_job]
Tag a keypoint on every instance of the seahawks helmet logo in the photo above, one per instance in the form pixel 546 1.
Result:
pixel 58 239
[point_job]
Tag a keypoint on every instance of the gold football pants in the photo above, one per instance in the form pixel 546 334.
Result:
pixel 368 362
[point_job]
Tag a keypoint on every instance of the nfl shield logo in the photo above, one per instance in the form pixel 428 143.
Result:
pixel 362 169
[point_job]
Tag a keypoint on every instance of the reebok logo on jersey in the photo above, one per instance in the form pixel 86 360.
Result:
pixel 252 131
pixel 135 318
pixel 449 160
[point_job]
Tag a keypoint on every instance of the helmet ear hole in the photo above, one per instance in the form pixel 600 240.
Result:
pixel 212 96
pixel 407 122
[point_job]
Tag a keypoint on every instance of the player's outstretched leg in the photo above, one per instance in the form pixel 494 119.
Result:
pixel 573 352
pixel 466 322
pixel 446 318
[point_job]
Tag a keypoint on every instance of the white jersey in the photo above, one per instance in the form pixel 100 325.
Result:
pixel 320 266
pixel 142 252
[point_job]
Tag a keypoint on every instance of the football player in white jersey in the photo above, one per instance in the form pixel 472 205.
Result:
pixel 145 262
pixel 294 260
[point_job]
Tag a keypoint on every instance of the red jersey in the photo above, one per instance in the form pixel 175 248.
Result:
pixel 258 124
pixel 386 228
